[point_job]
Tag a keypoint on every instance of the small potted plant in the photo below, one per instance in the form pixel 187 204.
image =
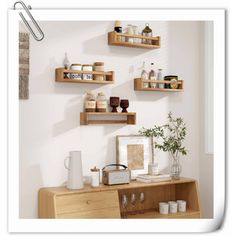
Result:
pixel 170 138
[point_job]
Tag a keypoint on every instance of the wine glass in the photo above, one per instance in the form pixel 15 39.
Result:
pixel 133 199
pixel 124 104
pixel 114 103
pixel 141 199
pixel 124 201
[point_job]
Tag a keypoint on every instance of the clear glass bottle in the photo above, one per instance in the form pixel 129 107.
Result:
pixel 147 31
pixel 144 76
pixel 160 77
pixel 152 75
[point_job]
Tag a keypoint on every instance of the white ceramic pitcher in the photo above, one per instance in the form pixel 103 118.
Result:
pixel 73 164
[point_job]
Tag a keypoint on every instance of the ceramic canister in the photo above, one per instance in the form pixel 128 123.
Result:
pixel 163 208
pixel 181 205
pixel 74 75
pixel 173 206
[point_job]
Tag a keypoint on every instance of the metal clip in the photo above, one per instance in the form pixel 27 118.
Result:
pixel 33 20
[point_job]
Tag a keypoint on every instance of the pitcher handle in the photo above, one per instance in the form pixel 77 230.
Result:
pixel 66 163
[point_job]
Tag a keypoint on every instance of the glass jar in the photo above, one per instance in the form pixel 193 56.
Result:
pixel 87 76
pixel 135 32
pixel 130 31
pixel 118 29
pixel 90 103
pixel 101 103
pixel 147 31
pixel 99 66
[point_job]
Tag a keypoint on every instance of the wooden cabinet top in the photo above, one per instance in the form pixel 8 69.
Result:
pixel 131 185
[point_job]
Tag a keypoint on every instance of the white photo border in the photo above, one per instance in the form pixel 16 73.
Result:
pixel 15 224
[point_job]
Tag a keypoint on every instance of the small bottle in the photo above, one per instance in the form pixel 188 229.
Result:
pixel 90 103
pixel 152 75
pixel 66 64
pixel 144 76
pixel 101 103
pixel 160 77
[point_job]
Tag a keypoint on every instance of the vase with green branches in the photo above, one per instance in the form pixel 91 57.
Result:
pixel 169 138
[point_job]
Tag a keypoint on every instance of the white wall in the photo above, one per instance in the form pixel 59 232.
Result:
pixel 49 120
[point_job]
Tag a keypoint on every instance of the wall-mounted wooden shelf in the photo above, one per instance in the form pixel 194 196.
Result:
pixel 114 39
pixel 60 202
pixel 85 118
pixel 60 76
pixel 138 85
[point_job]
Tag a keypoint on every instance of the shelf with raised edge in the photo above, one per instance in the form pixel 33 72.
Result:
pixel 138 85
pixel 113 39
pixel 85 118
pixel 60 76
pixel 154 214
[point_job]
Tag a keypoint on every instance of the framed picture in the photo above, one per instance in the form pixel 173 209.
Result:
pixel 134 151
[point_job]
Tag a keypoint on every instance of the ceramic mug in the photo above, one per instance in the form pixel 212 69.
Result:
pixel 163 208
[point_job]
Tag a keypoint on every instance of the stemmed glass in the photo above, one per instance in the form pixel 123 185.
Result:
pixel 141 199
pixel 133 199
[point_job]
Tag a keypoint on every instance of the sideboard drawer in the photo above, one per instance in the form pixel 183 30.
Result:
pixel 88 205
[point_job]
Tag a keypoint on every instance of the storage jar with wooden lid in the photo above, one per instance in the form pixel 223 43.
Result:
pixel 99 66
pixel 76 75
pixel 90 103
pixel 101 103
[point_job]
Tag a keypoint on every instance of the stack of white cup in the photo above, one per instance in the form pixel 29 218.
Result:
pixel 172 207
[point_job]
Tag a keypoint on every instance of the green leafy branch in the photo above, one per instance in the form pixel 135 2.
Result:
pixel 168 137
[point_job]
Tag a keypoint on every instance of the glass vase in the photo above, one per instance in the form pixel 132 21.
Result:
pixel 175 169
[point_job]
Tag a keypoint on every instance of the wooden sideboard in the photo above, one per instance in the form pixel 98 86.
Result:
pixel 105 201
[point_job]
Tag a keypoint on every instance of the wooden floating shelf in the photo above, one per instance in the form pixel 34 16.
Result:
pixel 154 214
pixel 138 85
pixel 85 118
pixel 60 74
pixel 113 39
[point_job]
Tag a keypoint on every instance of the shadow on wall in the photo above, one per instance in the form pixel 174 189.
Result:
pixel 29 190
pixel 72 117
pixel 99 46
pixel 133 95
pixel 110 158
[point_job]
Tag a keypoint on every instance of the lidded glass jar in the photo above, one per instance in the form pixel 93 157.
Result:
pixel 90 102
pixel 147 31
pixel 99 66
pixel 101 102
pixel 87 76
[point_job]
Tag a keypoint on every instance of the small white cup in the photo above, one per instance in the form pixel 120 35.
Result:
pixel 163 208
pixel 181 205
pixel 173 206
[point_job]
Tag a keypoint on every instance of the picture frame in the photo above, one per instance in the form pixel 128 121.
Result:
pixel 134 151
